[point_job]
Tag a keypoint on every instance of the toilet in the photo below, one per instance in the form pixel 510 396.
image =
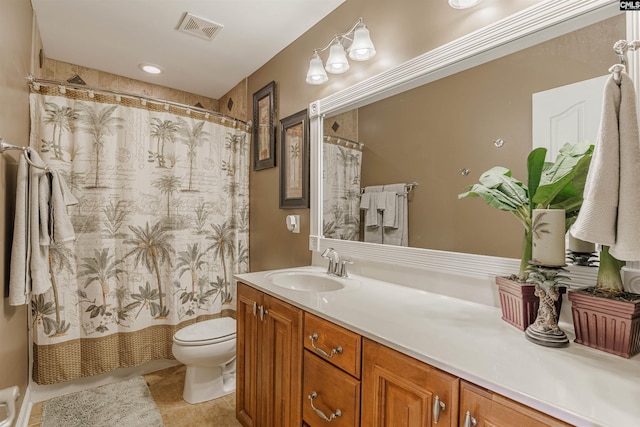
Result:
pixel 208 350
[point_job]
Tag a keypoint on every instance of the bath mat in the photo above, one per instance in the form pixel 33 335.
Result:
pixel 124 404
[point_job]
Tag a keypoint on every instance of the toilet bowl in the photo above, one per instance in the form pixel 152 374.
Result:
pixel 208 350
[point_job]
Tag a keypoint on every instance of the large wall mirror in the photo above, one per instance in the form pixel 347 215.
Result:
pixel 442 126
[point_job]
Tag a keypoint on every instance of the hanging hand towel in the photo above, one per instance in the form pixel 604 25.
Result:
pixel 372 218
pixel 609 213
pixel 390 214
pixel 61 228
pixel 29 260
pixel 399 235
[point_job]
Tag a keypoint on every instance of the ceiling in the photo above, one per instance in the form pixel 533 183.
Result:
pixel 117 35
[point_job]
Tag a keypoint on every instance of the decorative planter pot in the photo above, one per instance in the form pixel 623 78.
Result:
pixel 606 324
pixel 519 303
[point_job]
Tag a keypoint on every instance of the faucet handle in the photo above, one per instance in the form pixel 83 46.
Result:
pixel 343 267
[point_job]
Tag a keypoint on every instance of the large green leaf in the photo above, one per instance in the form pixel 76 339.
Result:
pixel 500 179
pixel 535 166
pixel 492 197
pixel 564 179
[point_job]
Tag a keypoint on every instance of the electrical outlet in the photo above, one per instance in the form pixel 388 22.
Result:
pixel 313 243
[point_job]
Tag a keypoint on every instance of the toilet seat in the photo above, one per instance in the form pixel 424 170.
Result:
pixel 207 332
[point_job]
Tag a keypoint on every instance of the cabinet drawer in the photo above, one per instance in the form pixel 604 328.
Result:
pixel 333 390
pixel 333 343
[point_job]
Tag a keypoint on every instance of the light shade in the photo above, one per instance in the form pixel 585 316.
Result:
pixel 337 62
pixel 362 47
pixel 316 74
pixel 463 4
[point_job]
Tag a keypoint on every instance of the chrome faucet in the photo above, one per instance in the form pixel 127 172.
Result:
pixel 337 267
pixel 334 260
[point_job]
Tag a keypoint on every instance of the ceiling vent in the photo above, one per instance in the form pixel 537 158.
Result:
pixel 199 27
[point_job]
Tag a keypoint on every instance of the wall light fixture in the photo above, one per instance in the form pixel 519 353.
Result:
pixel 360 49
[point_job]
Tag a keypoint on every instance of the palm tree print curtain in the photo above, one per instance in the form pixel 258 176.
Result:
pixel 341 165
pixel 161 227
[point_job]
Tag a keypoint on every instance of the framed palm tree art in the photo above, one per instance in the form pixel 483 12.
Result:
pixel 264 128
pixel 294 165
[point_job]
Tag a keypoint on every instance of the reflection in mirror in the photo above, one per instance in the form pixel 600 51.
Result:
pixel 432 133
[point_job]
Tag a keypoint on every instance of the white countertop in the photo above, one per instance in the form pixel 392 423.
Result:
pixel 576 384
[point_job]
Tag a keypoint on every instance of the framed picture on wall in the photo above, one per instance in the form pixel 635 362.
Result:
pixel 264 128
pixel 294 161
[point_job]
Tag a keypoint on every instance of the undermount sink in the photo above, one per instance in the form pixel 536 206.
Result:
pixel 306 281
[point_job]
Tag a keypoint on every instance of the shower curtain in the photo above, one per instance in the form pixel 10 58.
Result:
pixel 341 165
pixel 161 226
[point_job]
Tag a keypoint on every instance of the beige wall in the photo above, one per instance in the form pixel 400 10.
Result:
pixel 428 134
pixel 63 71
pixel 400 30
pixel 15 51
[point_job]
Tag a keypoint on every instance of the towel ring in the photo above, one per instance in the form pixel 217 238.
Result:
pixel 4 146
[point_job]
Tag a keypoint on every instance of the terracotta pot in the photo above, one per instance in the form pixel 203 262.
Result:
pixel 519 303
pixel 606 324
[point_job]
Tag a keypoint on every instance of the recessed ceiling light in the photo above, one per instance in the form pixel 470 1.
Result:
pixel 150 68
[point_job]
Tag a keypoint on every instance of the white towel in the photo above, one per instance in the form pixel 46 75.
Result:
pixel 55 198
pixel 372 218
pixel 29 260
pixel 388 203
pixel 399 235
pixel 610 212
pixel 369 203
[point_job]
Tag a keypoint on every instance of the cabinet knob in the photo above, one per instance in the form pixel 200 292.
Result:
pixel 321 414
pixel 469 421
pixel 437 407
pixel 314 337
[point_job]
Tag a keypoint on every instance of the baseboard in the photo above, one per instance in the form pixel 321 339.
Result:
pixel 25 409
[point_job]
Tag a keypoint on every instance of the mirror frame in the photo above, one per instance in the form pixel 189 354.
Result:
pixel 538 23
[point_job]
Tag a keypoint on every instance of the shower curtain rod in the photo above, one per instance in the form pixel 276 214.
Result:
pixel 345 140
pixel 407 187
pixel 35 82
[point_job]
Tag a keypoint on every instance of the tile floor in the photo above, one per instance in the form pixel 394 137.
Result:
pixel 166 389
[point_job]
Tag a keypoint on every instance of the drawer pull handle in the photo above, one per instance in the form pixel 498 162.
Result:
pixel 263 312
pixel 437 407
pixel 314 338
pixel 321 414
pixel 255 308
pixel 469 421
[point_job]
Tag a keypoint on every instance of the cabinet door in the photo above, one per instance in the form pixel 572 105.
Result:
pixel 281 364
pixel 247 355
pixel 492 410
pixel 398 390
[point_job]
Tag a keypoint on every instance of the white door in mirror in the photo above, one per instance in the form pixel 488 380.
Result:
pixel 293 223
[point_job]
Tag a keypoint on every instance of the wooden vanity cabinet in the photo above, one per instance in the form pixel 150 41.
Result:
pixel 285 355
pixel 269 360
pixel 482 408
pixel 400 391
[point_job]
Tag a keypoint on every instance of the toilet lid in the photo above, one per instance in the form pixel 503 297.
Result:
pixel 207 332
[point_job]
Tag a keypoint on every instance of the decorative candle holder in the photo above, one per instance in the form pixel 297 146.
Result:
pixel 545 330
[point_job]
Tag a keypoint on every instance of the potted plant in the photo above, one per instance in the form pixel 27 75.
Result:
pixel 557 185
pixel 605 316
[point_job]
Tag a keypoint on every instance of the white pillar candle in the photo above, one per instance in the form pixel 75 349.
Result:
pixel 548 237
